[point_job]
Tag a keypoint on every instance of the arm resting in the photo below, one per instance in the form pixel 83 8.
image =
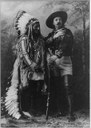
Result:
pixel 24 51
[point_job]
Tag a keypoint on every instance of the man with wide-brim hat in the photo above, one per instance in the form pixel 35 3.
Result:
pixel 62 14
pixel 59 45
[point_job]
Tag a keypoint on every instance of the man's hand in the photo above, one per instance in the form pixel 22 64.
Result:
pixel 51 59
pixel 33 65
pixel 49 40
pixel 60 33
pixel 58 53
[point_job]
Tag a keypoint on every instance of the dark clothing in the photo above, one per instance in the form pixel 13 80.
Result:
pixel 32 99
pixel 64 43
pixel 61 41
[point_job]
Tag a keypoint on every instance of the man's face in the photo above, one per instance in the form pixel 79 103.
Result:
pixel 57 22
pixel 36 28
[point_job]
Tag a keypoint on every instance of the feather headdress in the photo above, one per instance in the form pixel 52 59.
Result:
pixel 21 21
pixel 12 100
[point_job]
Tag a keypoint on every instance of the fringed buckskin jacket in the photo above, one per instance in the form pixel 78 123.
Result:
pixel 27 53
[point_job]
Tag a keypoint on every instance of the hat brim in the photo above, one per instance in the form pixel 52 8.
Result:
pixel 62 14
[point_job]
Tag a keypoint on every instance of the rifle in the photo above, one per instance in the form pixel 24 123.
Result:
pixel 48 94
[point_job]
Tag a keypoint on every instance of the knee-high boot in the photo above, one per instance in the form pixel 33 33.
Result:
pixel 69 95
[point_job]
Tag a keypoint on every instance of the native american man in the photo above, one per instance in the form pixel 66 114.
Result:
pixel 28 67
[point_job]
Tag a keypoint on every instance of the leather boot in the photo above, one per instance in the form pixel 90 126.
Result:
pixel 69 96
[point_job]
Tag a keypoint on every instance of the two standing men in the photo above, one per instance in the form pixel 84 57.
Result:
pixel 31 55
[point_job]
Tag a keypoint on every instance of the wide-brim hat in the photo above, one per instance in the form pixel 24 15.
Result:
pixel 62 14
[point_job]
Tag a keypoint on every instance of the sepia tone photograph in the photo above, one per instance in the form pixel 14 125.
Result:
pixel 45 69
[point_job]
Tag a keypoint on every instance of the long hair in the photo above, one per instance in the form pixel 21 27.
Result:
pixel 29 29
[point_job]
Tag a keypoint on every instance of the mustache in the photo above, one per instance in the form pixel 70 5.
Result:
pixel 59 23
